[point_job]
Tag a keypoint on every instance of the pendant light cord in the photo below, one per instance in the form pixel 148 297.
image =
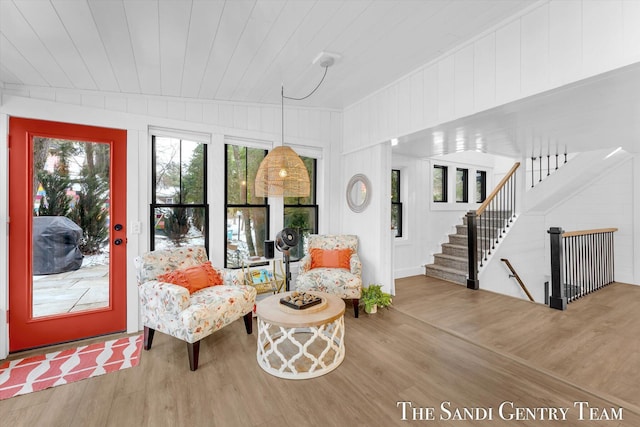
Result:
pixel 326 68
pixel 282 95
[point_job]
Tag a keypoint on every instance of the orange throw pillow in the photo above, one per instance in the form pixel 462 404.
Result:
pixel 193 278
pixel 330 258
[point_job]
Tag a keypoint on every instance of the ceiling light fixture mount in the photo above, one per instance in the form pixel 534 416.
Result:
pixel 326 59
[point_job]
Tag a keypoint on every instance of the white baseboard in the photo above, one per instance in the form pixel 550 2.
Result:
pixel 407 272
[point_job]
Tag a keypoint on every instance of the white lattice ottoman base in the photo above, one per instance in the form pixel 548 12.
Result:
pixel 300 345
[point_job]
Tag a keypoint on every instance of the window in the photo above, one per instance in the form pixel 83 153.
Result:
pixel 462 187
pixel 180 213
pixel 481 186
pixel 396 204
pixel 247 220
pixel 301 213
pixel 439 183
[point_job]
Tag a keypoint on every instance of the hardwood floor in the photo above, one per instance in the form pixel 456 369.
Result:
pixel 594 343
pixel 439 343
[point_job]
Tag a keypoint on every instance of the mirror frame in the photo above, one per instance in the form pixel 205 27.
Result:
pixel 353 205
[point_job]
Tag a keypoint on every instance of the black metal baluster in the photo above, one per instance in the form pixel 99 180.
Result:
pixel 602 258
pixel 565 250
pixel 540 167
pixel 513 199
pixel 481 240
pixel 485 241
pixel 590 269
pixel 533 168
pixel 573 263
pixel 612 259
pixel 548 167
pixel 597 260
pixel 501 214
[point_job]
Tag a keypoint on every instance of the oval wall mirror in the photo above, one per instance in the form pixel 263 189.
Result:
pixel 358 192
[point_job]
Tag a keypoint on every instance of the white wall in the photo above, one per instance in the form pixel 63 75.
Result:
pixel 317 129
pixel 409 250
pixel 373 225
pixel 610 200
pixel 550 45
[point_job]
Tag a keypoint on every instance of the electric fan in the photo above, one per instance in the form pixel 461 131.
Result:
pixel 286 239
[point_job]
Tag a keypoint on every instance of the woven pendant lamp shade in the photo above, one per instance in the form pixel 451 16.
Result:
pixel 282 173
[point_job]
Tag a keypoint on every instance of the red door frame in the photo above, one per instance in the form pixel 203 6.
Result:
pixel 24 330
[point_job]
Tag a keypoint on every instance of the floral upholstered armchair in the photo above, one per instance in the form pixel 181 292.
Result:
pixel 331 264
pixel 183 296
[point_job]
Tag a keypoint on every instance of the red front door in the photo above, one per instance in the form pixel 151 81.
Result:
pixel 67 232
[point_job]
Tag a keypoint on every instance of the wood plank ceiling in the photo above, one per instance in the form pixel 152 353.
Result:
pixel 234 50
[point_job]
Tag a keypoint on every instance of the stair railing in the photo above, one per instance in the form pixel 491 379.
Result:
pixel 581 262
pixel 545 166
pixel 516 276
pixel 487 224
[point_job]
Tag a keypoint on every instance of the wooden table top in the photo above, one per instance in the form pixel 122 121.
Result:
pixel 271 311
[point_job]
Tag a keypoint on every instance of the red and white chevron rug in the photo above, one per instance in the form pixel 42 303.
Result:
pixel 36 373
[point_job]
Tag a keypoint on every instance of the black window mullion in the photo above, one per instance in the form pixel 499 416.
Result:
pixel 244 195
pixel 204 206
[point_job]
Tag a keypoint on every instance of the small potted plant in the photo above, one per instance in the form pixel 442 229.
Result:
pixel 372 297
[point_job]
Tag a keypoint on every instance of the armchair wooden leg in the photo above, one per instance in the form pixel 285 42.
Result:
pixel 248 322
pixel 148 337
pixel 194 352
pixel 356 305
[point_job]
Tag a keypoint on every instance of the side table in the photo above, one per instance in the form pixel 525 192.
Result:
pixel 300 344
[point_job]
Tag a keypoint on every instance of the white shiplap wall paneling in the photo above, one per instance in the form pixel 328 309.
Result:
pixel 463 80
pixel 430 95
pixel 631 29
pixel 565 41
pixel 393 109
pixel 602 35
pixel 484 69
pixel 404 106
pixel 535 50
pixel 446 89
pixel 416 101
pixel 508 62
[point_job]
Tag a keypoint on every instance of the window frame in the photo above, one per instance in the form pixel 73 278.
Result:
pixel 228 205
pixel 465 185
pixel 154 205
pixel 396 194
pixel 483 185
pixel 445 183
pixel 313 206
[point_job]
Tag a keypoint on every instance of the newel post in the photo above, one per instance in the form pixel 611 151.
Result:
pixel 472 244
pixel 558 297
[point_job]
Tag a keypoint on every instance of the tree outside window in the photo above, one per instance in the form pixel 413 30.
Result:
pixel 396 204
pixel 439 183
pixel 71 179
pixel 179 210
pixel 481 186
pixel 462 187
pixel 301 213
pixel 247 220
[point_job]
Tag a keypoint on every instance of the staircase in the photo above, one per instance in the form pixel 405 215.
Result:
pixel 453 264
